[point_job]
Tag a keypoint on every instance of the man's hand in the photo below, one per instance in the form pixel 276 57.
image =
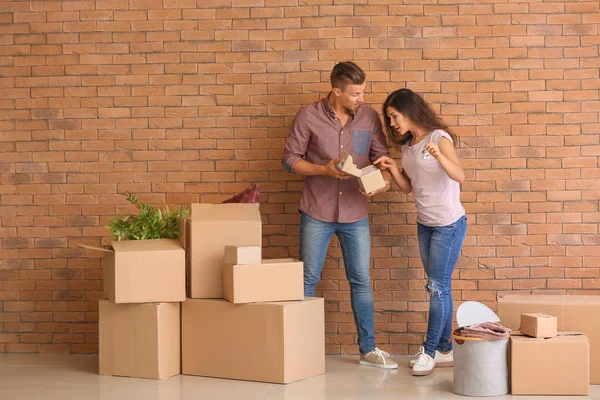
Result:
pixel 383 189
pixel 331 169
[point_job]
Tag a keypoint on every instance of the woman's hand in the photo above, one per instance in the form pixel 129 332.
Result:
pixel 386 162
pixel 434 150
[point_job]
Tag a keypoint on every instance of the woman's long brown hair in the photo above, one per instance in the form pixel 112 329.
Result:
pixel 413 107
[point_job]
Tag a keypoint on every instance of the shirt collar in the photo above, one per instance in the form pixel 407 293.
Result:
pixel 329 110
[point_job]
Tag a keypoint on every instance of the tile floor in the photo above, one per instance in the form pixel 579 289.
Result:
pixel 41 377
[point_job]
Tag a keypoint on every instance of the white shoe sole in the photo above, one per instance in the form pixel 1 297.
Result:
pixel 445 364
pixel 376 365
pixel 423 373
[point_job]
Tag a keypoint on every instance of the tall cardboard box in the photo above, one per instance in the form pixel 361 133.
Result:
pixel 573 313
pixel 212 227
pixel 554 366
pixel 140 340
pixel 267 342
pixel 144 271
pixel 271 280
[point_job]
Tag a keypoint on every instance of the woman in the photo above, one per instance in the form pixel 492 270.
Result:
pixel 431 170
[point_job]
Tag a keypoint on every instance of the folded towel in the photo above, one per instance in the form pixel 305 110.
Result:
pixel 486 330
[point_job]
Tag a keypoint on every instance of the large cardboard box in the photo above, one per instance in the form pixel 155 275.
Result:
pixel 369 178
pixel 144 271
pixel 555 366
pixel 573 313
pixel 211 228
pixel 272 280
pixel 267 342
pixel 539 325
pixel 140 340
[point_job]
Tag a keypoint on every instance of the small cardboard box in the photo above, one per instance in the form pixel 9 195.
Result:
pixel 240 255
pixel 267 342
pixel 369 178
pixel 271 280
pixel 211 228
pixel 573 313
pixel 555 366
pixel 144 271
pixel 538 325
pixel 140 340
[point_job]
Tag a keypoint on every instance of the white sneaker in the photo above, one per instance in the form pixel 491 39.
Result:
pixel 441 360
pixel 424 365
pixel 378 358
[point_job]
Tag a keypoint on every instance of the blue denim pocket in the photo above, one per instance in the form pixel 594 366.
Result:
pixel 361 141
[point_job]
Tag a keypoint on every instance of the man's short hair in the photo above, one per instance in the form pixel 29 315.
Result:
pixel 345 73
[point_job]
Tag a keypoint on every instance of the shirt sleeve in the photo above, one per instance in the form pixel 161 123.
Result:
pixel 296 142
pixel 379 147
pixel 439 134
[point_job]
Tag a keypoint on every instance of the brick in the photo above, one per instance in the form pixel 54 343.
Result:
pixel 188 101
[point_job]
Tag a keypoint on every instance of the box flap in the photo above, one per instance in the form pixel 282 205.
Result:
pixel 225 212
pixel 369 169
pixel 563 334
pixel 279 261
pixel 539 315
pixel 147 245
pixel 85 246
pixel 346 165
pixel 474 313
pixel 537 299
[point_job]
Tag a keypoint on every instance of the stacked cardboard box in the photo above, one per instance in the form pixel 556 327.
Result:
pixel 550 355
pixel 246 317
pixel 140 320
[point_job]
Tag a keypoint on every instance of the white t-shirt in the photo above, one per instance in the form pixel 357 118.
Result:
pixel 436 195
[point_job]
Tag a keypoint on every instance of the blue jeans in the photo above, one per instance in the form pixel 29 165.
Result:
pixel 440 248
pixel 355 241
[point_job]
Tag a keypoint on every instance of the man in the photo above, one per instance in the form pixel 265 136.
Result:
pixel 332 202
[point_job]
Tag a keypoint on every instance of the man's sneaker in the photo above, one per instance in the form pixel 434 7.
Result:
pixel 379 359
pixel 441 359
pixel 424 365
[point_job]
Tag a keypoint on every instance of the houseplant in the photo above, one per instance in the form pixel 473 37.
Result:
pixel 149 223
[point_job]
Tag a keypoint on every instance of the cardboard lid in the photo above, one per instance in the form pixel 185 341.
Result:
pixel 538 315
pixel 346 165
pixel 85 246
pixel 279 261
pixel 146 245
pixel 474 313
pixel 564 336
pixel 227 212
pixel 528 298
pixel 554 299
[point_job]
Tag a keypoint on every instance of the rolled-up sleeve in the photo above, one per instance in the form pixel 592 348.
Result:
pixel 297 142
pixel 379 147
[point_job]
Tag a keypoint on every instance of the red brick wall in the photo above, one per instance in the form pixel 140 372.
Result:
pixel 182 101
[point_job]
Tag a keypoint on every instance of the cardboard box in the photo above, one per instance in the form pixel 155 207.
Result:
pixel 211 228
pixel 267 342
pixel 140 340
pixel 555 366
pixel 369 178
pixel 272 280
pixel 144 271
pixel 573 313
pixel 538 325
pixel 240 255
